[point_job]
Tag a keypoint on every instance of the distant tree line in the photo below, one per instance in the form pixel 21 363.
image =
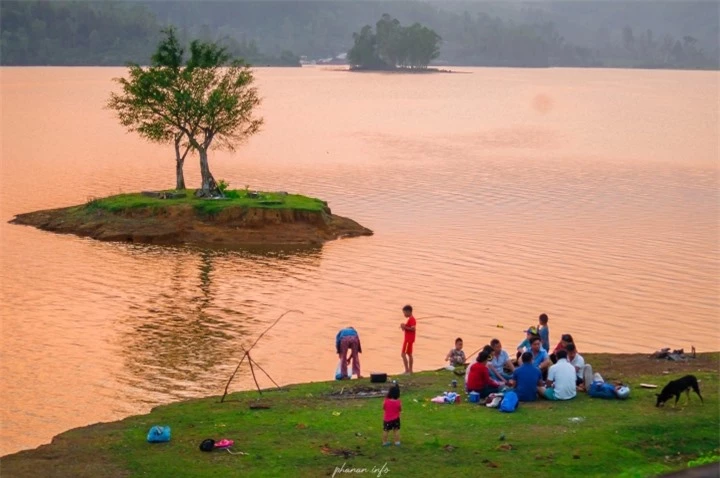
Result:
pixel 392 46
pixel 591 33
pixel 43 32
pixel 490 41
pixel 75 33
pixel 473 33
pixel 645 50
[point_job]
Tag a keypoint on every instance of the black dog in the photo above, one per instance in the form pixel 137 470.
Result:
pixel 676 388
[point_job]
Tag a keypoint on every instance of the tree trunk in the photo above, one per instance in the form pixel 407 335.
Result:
pixel 209 186
pixel 179 162
pixel 179 177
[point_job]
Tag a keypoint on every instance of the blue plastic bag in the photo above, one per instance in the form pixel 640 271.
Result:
pixel 158 434
pixel 338 371
pixel 509 402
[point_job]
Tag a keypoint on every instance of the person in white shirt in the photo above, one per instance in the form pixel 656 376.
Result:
pixel 583 371
pixel 561 380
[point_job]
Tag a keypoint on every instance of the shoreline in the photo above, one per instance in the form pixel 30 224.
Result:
pixel 405 71
pixel 69 446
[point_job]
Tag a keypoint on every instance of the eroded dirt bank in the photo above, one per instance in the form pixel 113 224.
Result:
pixel 182 224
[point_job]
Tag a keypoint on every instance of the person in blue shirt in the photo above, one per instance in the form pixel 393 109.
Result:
pixel 348 339
pixel 524 346
pixel 526 379
pixel 544 332
pixel 499 363
pixel 540 358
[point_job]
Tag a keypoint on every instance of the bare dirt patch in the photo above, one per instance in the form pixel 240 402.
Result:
pixel 358 391
pixel 624 367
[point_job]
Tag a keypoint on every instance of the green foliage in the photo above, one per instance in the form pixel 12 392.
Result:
pixel 364 52
pixel 394 45
pixel 234 198
pixel 223 185
pixel 75 33
pixel 206 100
pixel 420 45
pixel 104 33
pixel 705 459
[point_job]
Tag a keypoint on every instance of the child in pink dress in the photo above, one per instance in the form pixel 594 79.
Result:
pixel 391 418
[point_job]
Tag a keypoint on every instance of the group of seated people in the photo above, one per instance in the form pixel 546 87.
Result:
pixel 535 372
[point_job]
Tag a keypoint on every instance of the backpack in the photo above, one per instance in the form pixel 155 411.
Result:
pixel 158 434
pixel 207 445
pixel 509 403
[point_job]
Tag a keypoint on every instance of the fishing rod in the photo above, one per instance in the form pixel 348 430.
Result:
pixel 478 350
pixel 434 317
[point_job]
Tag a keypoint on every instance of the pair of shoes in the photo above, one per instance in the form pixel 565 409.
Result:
pixel 495 402
pixel 489 399
pixel 397 443
pixel 387 443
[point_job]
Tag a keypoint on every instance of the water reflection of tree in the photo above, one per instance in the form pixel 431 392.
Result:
pixel 181 339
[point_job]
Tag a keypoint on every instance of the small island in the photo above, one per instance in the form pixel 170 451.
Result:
pixel 197 102
pixel 395 48
pixel 241 218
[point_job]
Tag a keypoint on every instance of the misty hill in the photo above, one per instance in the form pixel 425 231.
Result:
pixel 661 34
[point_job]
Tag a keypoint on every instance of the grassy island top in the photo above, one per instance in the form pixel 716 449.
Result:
pixel 314 429
pixel 233 198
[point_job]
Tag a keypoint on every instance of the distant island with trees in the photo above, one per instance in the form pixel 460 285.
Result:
pixel 393 47
pixel 593 33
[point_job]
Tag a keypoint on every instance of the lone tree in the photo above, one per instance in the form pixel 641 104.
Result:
pixel 151 120
pixel 205 102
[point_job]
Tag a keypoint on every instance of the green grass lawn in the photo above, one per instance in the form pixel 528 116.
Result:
pixel 585 436
pixel 305 432
pixel 235 198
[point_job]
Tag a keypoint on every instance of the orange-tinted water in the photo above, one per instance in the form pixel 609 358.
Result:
pixel 591 195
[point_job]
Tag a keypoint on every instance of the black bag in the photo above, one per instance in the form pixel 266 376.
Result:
pixel 207 445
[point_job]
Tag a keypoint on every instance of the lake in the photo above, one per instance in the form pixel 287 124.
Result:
pixel 495 195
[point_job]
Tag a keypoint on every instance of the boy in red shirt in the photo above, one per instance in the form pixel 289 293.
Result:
pixel 407 348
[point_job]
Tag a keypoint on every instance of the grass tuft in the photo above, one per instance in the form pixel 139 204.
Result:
pixel 234 198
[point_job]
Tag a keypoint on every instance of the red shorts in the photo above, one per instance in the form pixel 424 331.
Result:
pixel 407 347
